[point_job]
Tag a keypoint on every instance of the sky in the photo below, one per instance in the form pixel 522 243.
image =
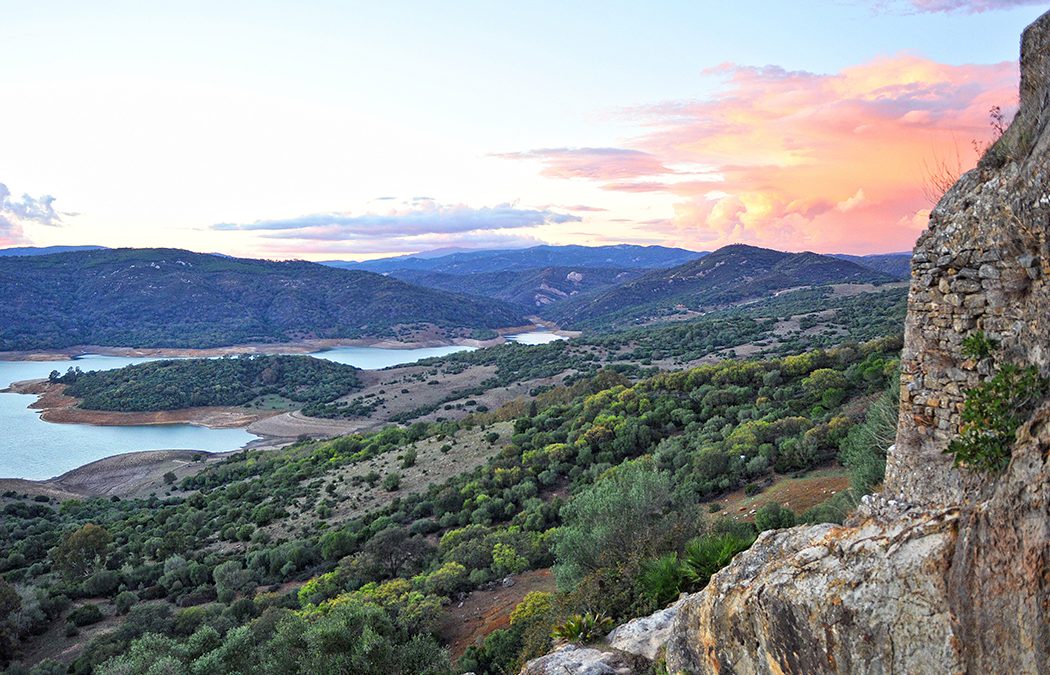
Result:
pixel 355 130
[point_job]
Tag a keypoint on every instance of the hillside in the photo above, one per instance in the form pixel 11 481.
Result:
pixel 175 298
pixel 730 275
pixel 528 288
pixel 620 256
pixel 230 381
pixel 894 264
pixel 44 250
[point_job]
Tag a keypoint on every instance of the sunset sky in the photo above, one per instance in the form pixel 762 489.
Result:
pixel 354 130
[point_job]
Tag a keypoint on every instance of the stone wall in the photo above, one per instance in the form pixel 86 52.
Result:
pixel 981 266
pixel 946 570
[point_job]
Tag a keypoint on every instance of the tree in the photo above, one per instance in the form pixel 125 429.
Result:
pixel 81 551
pixel 773 516
pixel 230 578
pixel 621 516
pixel 393 549
pixel 169 478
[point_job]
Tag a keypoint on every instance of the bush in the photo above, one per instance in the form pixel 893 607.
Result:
pixel 709 553
pixel 582 628
pixel 125 601
pixel 85 615
pixel 991 415
pixel 392 482
pixel 662 579
pixel 773 516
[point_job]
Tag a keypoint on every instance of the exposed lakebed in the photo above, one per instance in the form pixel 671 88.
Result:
pixel 34 449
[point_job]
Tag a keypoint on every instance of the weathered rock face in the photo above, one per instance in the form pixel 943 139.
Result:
pixel 574 660
pixel 947 570
pixel 645 636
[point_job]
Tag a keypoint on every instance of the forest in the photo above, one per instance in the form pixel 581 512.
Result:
pixel 227 381
pixel 245 556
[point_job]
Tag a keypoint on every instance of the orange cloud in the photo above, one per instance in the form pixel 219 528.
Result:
pixel 797 160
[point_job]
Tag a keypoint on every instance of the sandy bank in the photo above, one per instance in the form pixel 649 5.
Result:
pixel 132 474
pixel 426 339
pixel 57 407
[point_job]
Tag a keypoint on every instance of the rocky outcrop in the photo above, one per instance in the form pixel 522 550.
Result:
pixel 948 570
pixel 645 636
pixel 573 660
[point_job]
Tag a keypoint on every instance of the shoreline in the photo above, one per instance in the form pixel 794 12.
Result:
pixel 128 474
pixel 133 473
pixel 309 346
pixel 57 408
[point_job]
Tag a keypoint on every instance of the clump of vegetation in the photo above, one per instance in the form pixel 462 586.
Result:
pixel 584 627
pixel 228 381
pixel 978 345
pixel 597 478
pixel 991 415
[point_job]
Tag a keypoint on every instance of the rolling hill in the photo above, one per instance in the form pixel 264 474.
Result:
pixel 894 264
pixel 175 298
pixel 529 288
pixel 730 275
pixel 44 250
pixel 621 256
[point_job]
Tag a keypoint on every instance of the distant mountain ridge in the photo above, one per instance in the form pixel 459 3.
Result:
pixel 176 298
pixel 44 250
pixel 619 256
pixel 732 274
pixel 894 264
pixel 532 288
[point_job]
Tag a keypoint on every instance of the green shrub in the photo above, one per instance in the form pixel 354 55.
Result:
pixel 773 516
pixel 582 628
pixel 709 553
pixel 991 415
pixel 392 482
pixel 125 601
pixel 663 578
pixel 978 345
pixel 85 615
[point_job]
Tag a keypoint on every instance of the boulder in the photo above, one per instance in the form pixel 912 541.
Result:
pixel 574 660
pixel 646 636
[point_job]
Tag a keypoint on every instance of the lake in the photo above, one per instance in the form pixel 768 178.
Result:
pixel 34 449
pixel 539 337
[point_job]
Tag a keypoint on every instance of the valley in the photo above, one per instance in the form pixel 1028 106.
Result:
pixel 347 434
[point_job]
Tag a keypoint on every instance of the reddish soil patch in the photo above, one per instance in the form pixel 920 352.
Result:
pixel 798 494
pixel 469 622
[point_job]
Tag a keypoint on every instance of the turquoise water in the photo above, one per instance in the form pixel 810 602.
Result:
pixel 374 358
pixel 535 338
pixel 34 449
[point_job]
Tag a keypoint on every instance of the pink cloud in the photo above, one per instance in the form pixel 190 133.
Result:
pixel 969 6
pixel 804 161
pixel 592 163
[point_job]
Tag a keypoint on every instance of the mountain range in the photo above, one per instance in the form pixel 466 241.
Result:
pixel 730 275
pixel 619 256
pixel 176 298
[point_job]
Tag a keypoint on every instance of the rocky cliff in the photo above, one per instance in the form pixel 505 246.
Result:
pixel 947 570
